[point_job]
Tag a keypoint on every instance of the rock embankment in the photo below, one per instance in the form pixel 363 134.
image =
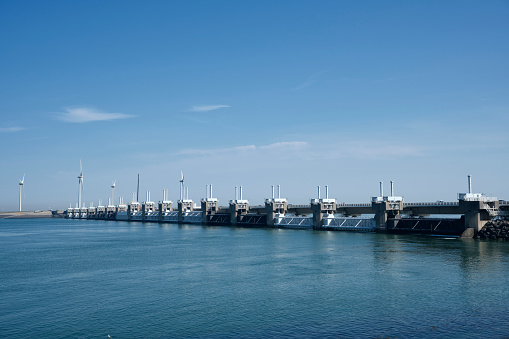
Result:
pixel 496 229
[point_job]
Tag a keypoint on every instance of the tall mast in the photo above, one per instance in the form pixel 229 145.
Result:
pixel 138 189
pixel 80 185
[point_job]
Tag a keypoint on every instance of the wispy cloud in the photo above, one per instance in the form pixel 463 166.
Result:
pixel 280 146
pixel 11 129
pixel 310 81
pixel 369 151
pixel 286 145
pixel 88 114
pixel 303 85
pixel 207 108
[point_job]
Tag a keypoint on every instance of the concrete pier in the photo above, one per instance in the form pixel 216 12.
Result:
pixel 100 212
pixel 184 206
pixel 111 212
pixel 132 209
pixel 209 207
pixel 165 207
pixel 322 208
pixel 275 208
pixel 477 209
pixel 238 208
pixel 386 208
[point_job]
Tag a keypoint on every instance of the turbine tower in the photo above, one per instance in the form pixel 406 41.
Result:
pixel 80 185
pixel 21 187
pixel 113 192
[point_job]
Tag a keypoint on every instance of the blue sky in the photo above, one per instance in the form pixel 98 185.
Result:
pixel 297 93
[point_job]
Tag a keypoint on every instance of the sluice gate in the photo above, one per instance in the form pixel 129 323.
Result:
pixel 293 222
pixel 192 217
pixel 437 226
pixel 350 224
pixel 256 220
pixel 172 217
pixel 218 219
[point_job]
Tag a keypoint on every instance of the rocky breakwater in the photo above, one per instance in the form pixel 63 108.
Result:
pixel 495 229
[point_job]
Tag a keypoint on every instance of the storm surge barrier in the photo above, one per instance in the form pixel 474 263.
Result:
pixel 385 213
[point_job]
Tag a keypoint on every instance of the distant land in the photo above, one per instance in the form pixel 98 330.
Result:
pixel 25 215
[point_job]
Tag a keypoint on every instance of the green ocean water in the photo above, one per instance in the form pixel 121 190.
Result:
pixel 90 279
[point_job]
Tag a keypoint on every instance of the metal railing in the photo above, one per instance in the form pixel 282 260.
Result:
pixel 436 203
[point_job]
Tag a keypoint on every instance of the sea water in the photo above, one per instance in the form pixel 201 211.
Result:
pixel 90 279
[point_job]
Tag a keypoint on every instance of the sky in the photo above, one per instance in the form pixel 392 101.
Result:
pixel 252 93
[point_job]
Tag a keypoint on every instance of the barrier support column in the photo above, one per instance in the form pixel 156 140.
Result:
pixel 478 210
pixel 164 206
pixel 237 208
pixel 209 207
pixel 184 206
pixel 275 208
pixel 321 208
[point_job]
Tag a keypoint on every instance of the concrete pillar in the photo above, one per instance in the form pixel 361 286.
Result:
pixel 145 208
pixel 165 206
pixel 183 207
pixel 129 212
pixel 100 213
pixel 385 210
pixel 316 208
pixel 273 206
pixel 83 212
pixel 91 213
pixel 111 212
pixel 131 209
pixel 477 212
pixel 321 207
pixel 209 207
pixel 380 209
pixel 237 208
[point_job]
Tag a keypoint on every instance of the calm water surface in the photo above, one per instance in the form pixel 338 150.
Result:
pixel 78 278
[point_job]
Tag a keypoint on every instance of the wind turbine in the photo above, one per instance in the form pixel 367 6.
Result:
pixel 21 187
pixel 113 191
pixel 80 185
pixel 181 184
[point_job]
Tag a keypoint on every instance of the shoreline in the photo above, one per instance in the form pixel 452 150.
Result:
pixel 26 215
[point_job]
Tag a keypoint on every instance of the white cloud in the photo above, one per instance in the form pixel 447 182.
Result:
pixel 207 108
pixel 87 114
pixel 279 146
pixel 245 148
pixel 217 151
pixel 11 129
pixel 286 145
